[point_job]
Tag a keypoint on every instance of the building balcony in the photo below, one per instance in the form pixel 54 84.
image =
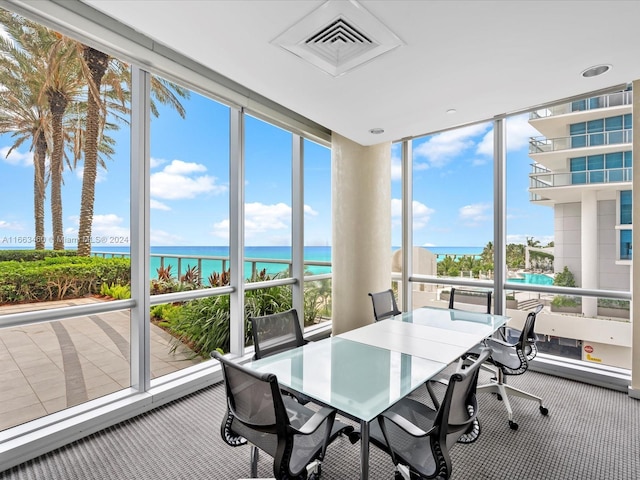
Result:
pixel 546 145
pixel 548 187
pixel 603 101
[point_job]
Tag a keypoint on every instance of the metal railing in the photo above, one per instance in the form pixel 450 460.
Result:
pixel 593 103
pixel 205 264
pixel 613 137
pixel 548 179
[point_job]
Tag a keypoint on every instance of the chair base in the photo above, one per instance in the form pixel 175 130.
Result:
pixel 503 391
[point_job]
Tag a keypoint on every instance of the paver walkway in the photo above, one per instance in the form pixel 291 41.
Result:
pixel 47 367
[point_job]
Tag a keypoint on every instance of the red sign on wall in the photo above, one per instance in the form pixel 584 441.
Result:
pixel 588 348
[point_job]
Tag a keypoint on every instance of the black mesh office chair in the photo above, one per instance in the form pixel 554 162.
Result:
pixel 276 333
pixel 513 359
pixel 384 304
pixel 418 438
pixel 459 305
pixel 257 413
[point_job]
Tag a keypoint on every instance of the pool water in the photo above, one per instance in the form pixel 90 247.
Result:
pixel 534 278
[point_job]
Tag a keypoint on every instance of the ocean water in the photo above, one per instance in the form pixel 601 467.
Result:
pixel 214 258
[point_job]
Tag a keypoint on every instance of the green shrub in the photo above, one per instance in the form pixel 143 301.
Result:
pixel 117 292
pixel 203 324
pixel 33 255
pixel 55 278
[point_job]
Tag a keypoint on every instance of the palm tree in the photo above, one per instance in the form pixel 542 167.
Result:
pixel 100 69
pixel 63 85
pixel 22 113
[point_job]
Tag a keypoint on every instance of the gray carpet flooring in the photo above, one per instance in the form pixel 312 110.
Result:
pixel 590 433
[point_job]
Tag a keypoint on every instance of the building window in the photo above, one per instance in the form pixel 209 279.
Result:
pixel 611 167
pixel 625 207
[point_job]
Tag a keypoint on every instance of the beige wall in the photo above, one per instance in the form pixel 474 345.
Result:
pixel 361 241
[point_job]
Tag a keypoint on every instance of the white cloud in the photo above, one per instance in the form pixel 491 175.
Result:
pixel 160 237
pixel 155 204
pixel 264 224
pixel 396 168
pixel 5 225
pixel 518 133
pixel 522 239
pixel 16 158
pixel 475 214
pixel 421 213
pixel 310 211
pixel 441 148
pixel 106 229
pixel 156 162
pixel 179 180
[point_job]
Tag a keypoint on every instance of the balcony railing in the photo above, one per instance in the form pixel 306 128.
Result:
pixel 207 264
pixel 603 101
pixel 541 178
pixel 544 145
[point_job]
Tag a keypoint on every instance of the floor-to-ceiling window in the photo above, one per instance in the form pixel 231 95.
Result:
pixel 452 212
pixel 65 167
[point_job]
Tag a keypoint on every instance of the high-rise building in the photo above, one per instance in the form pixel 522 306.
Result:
pixel 583 170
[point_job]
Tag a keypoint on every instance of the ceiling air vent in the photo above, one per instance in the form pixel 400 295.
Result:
pixel 338 37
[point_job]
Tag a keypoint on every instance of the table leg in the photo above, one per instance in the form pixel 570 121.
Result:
pixel 364 450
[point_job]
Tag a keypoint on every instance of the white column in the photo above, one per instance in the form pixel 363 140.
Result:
pixel 361 241
pixel 589 259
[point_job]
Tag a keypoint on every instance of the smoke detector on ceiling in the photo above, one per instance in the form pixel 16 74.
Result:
pixel 338 36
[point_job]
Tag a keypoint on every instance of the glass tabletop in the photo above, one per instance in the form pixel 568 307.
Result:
pixel 475 323
pixel 359 380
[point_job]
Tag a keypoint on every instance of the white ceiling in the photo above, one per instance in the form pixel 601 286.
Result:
pixel 482 58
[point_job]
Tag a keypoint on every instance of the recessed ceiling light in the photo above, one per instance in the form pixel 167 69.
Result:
pixel 595 71
pixel 376 131
pixel 452 110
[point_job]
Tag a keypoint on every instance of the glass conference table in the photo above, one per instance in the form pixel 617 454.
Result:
pixel 364 371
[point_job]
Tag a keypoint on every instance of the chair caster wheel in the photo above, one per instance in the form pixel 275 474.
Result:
pixel 513 425
pixel 544 410
pixel 498 396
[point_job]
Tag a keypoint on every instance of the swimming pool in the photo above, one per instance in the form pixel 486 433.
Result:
pixel 534 278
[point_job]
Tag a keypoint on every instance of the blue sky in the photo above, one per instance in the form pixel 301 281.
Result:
pixel 453 186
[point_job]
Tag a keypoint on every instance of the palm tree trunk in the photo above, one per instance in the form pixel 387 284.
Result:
pixel 97 63
pixel 57 104
pixel 39 157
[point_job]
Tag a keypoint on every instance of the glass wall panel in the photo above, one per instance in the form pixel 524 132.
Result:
pixel 453 208
pixel 48 367
pixel 317 230
pixel 189 221
pixel 550 230
pixel 64 222
pixel 189 190
pixel 268 194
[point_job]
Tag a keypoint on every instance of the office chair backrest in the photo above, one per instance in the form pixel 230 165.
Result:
pixel 276 333
pixel 527 339
pixel 256 413
pixel 384 304
pixel 459 407
pixel 484 304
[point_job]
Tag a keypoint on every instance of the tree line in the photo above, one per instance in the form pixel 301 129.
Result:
pixel 515 259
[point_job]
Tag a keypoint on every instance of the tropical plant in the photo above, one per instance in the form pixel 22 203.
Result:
pixel 100 69
pixel 564 278
pixel 23 114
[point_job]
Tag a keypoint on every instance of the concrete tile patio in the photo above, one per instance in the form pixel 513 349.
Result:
pixel 47 367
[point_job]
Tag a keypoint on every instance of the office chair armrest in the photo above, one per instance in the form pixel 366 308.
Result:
pixel 316 421
pixel 404 424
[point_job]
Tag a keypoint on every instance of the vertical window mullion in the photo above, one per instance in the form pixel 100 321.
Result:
pixel 236 229
pixel 140 325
